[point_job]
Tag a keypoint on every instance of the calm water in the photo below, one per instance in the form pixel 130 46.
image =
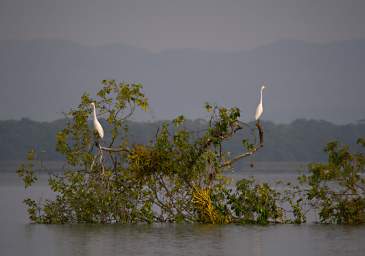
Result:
pixel 18 237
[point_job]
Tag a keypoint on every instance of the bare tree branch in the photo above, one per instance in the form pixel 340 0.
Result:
pixel 250 152
pixel 114 149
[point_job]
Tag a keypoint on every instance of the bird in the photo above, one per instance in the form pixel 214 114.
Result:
pixel 97 126
pixel 260 108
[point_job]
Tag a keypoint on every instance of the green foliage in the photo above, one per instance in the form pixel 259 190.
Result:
pixel 130 183
pixel 25 171
pixel 179 176
pixel 255 203
pixel 116 102
pixel 207 208
pixel 336 188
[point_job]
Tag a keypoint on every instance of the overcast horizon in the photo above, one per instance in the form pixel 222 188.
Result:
pixel 309 53
pixel 164 24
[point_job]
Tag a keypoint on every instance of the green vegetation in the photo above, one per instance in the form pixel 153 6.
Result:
pixel 337 188
pixel 178 176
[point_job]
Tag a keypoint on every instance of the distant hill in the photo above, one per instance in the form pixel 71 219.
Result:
pixel 42 78
pixel 301 140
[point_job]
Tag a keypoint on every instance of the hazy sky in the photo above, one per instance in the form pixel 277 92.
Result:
pixel 163 24
pixel 305 79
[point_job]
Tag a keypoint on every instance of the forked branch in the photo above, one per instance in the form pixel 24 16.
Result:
pixel 251 151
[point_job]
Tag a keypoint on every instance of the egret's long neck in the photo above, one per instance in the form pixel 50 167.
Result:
pixel 94 112
pixel 261 97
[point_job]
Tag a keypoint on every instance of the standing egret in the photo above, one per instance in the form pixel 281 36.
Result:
pixel 97 126
pixel 260 108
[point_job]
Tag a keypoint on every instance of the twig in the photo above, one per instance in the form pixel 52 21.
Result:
pixel 114 149
pixel 252 151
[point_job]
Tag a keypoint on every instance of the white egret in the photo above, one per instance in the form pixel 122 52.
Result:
pixel 260 108
pixel 97 126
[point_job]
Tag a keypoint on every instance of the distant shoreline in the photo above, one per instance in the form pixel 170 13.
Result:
pixel 258 166
pixel 300 141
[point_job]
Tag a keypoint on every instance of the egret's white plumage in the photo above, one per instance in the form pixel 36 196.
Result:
pixel 260 108
pixel 97 125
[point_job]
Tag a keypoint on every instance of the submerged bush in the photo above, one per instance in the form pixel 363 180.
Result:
pixel 172 179
pixel 179 175
pixel 258 203
pixel 337 188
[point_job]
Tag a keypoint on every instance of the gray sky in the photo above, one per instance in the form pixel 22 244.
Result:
pixel 164 24
pixel 318 73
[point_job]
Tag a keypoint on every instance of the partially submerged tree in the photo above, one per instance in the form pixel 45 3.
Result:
pixel 163 181
pixel 179 175
pixel 336 189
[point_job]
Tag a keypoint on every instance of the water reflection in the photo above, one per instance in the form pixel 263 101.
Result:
pixel 257 248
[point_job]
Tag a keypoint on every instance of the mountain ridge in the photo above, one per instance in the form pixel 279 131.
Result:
pixel 41 79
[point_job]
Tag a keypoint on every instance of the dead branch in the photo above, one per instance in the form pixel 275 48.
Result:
pixel 250 152
pixel 114 149
pixel 100 154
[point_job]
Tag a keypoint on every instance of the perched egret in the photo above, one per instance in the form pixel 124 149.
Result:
pixel 97 126
pixel 260 108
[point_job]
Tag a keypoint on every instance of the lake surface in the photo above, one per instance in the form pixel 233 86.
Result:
pixel 18 237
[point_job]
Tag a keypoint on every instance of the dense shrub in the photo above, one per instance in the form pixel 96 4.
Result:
pixel 179 175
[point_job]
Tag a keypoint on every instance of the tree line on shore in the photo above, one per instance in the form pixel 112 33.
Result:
pixel 300 140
